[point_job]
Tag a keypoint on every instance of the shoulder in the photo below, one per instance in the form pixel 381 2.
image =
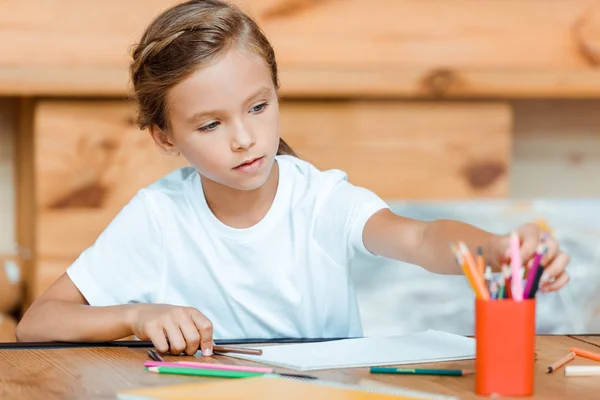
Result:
pixel 172 188
pixel 303 173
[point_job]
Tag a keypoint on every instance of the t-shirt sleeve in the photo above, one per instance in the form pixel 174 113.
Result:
pixel 125 263
pixel 342 218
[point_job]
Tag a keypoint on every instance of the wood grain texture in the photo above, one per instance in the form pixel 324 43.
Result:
pixel 558 139
pixel 100 373
pixel 406 150
pixel 8 327
pixel 90 161
pixel 8 134
pixel 25 195
pixel 379 48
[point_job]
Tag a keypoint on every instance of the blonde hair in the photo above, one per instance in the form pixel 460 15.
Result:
pixel 183 39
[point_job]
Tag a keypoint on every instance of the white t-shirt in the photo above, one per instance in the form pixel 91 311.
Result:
pixel 286 276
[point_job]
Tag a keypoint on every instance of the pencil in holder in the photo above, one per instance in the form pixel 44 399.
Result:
pixel 505 347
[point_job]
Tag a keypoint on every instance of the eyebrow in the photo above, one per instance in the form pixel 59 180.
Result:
pixel 202 114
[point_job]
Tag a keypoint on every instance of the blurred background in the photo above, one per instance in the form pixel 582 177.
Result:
pixel 483 111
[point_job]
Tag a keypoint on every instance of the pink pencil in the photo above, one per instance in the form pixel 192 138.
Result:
pixel 515 263
pixel 192 364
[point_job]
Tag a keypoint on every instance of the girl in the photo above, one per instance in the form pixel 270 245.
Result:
pixel 250 241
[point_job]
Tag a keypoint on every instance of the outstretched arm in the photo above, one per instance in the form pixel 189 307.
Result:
pixel 427 244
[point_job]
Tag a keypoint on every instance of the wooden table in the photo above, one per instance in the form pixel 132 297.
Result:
pixel 98 373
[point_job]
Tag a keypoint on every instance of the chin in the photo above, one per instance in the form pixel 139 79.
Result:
pixel 249 185
pixel 254 181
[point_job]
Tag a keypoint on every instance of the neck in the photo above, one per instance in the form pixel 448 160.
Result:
pixel 241 208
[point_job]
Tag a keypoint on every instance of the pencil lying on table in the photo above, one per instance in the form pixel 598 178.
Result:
pixel 421 371
pixel 242 372
pixel 237 350
pixel 559 363
pixel 228 349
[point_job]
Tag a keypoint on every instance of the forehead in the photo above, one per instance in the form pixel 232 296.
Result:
pixel 224 83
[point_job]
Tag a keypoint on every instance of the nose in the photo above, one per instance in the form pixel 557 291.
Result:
pixel 243 138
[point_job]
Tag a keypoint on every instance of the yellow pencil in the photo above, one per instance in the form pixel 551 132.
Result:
pixel 480 289
pixel 463 264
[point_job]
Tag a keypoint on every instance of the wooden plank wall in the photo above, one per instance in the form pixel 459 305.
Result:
pixel 556 149
pixel 407 48
pixel 8 127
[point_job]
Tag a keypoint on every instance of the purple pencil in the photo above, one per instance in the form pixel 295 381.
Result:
pixel 541 250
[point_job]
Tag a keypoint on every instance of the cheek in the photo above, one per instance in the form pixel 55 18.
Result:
pixel 270 126
pixel 205 153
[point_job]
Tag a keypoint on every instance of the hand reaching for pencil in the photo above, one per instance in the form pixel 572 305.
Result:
pixel 533 241
pixel 172 328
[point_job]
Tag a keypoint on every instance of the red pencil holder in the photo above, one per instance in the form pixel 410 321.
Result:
pixel 505 347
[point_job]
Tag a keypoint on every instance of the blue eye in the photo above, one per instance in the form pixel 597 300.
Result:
pixel 257 109
pixel 210 127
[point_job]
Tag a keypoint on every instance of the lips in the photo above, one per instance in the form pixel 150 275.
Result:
pixel 250 165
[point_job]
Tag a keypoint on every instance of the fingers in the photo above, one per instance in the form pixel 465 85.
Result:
pixel 529 236
pixel 156 334
pixel 176 341
pixel 551 253
pixel 560 281
pixel 191 336
pixel 554 276
pixel 205 328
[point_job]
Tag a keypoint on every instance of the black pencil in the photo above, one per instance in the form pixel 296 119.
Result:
pixel 154 355
pixel 536 282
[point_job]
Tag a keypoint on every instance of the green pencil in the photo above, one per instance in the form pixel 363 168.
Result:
pixel 217 373
pixel 419 371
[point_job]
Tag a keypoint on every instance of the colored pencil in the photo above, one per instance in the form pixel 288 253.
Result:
pixel 541 250
pixel 506 277
pixel 585 353
pixel 154 355
pixel 536 281
pixel 515 264
pixel 420 371
pixel 237 350
pixel 488 277
pixel 500 288
pixel 220 373
pixel 560 362
pixel 494 290
pixel 204 372
pixel 480 289
pixel 222 367
pixel 463 265
pixel 229 349
pixel 480 262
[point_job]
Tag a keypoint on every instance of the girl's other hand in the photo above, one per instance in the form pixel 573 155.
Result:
pixel 173 328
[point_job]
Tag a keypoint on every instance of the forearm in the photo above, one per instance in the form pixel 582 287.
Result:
pixel 57 320
pixel 434 250
pixel 426 244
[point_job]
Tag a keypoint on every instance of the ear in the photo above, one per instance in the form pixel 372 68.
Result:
pixel 163 141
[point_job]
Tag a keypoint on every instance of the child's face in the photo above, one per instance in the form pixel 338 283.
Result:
pixel 226 115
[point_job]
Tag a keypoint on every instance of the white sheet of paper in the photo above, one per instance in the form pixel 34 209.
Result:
pixel 428 346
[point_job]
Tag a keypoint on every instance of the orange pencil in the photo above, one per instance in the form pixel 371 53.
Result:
pixel 463 265
pixel 480 289
pixel 560 362
pixel 585 354
pixel 480 263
